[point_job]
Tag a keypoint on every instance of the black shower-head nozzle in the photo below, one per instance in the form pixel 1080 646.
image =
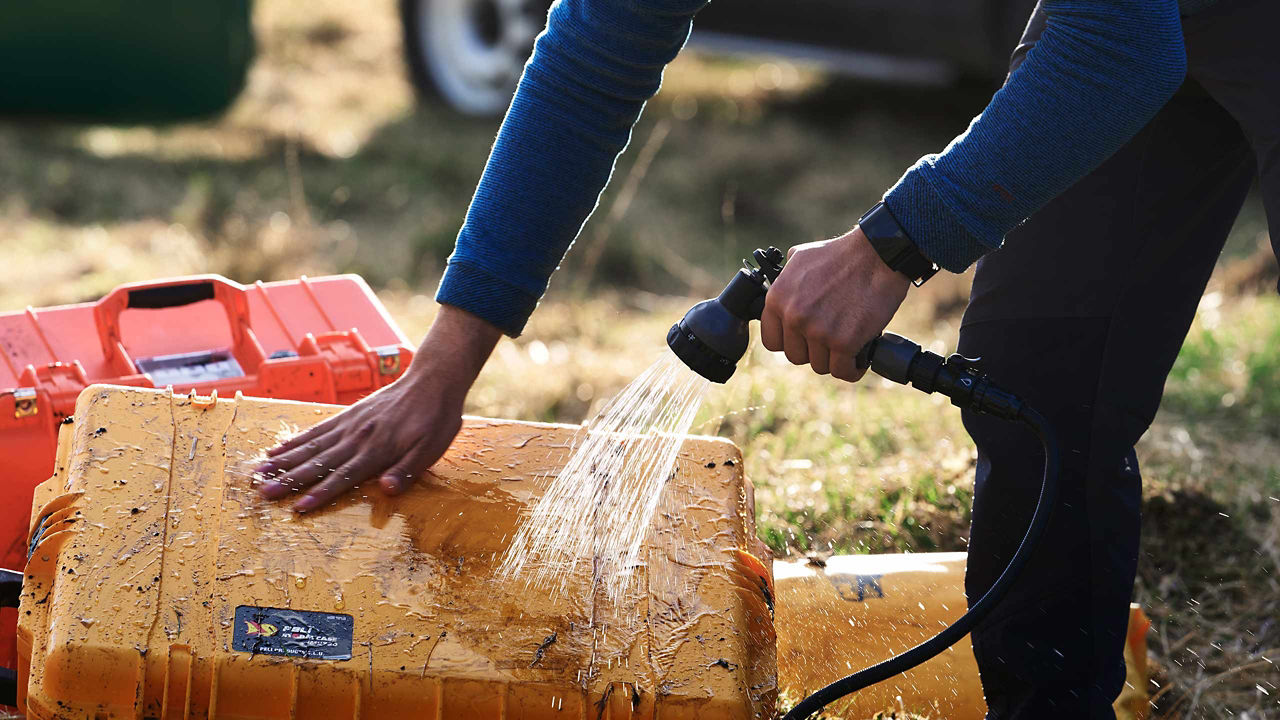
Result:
pixel 713 336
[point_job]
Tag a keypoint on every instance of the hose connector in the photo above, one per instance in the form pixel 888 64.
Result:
pixel 903 361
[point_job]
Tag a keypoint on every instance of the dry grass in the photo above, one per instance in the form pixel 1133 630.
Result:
pixel 325 164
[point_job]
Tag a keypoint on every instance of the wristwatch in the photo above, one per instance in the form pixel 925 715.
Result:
pixel 894 246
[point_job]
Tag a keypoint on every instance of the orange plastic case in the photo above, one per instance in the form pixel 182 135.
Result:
pixel 161 585
pixel 853 611
pixel 324 339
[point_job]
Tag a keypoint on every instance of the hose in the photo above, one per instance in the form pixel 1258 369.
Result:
pixel 10 593
pixel 713 336
pixel 979 610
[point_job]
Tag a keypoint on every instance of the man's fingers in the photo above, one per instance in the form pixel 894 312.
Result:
pixel 845 367
pixel 309 472
pixel 319 466
pixel 366 464
pixel 302 438
pixel 795 346
pixel 771 330
pixel 819 357
pixel 417 461
pixel 405 473
pixel 298 455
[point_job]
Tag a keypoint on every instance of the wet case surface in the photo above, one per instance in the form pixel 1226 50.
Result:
pixel 162 586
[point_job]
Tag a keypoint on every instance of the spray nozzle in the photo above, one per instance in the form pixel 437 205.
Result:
pixel 713 336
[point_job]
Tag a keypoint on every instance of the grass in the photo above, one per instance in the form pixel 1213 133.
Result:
pixel 1230 371
pixel 326 164
pixel 1211 536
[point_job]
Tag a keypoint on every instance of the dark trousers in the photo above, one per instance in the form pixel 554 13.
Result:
pixel 1082 313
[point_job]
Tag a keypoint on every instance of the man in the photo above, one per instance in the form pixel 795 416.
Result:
pixel 1082 313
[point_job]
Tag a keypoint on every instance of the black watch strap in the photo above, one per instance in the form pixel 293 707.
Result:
pixel 894 246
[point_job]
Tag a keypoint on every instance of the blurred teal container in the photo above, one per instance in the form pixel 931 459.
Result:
pixel 123 60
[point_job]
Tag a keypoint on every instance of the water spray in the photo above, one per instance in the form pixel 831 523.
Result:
pixel 714 335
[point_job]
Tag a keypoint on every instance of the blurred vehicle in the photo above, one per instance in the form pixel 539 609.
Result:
pixel 123 60
pixel 470 52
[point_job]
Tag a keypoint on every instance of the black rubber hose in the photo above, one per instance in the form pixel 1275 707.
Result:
pixel 10 593
pixel 8 687
pixel 961 627
pixel 10 588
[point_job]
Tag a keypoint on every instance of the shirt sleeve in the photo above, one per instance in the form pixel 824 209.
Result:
pixel 591 72
pixel 1100 72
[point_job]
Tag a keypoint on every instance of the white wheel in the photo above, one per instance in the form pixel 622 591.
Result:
pixel 470 53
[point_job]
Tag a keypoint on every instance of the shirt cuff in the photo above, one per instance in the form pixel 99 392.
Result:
pixel 931 224
pixel 487 296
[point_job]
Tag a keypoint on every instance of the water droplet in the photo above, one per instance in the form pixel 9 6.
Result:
pixel 619 464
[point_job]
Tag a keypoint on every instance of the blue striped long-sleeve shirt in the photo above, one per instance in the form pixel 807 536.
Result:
pixel 1100 71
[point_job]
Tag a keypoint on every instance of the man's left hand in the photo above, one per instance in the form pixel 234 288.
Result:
pixel 832 298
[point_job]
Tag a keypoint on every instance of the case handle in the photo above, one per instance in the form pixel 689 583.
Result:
pixel 168 294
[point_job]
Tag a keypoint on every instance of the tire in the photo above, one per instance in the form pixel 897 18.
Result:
pixel 469 53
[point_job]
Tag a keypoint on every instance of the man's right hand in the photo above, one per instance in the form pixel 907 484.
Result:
pixel 395 434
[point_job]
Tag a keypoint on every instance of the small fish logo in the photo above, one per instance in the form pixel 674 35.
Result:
pixel 254 629
pixel 389 361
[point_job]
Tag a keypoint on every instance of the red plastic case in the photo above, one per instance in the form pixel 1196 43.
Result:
pixel 323 339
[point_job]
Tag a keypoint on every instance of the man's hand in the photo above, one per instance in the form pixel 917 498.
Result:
pixel 395 433
pixel 832 298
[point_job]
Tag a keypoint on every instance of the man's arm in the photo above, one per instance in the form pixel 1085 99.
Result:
pixel 1099 73
pixel 591 72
